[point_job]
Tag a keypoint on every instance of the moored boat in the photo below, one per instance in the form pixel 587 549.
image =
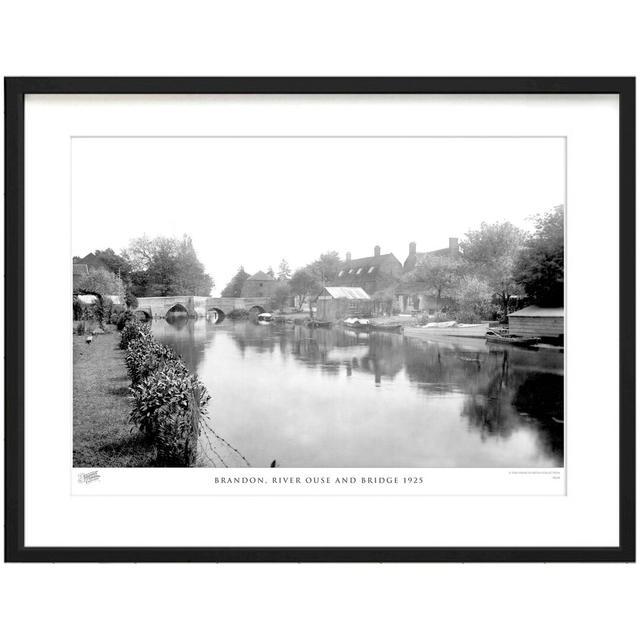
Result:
pixel 361 324
pixel 318 323
pixel 505 338
pixel 264 318
pixel 392 328
pixel 451 328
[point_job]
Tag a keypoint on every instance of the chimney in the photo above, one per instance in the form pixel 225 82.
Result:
pixel 453 247
pixel 376 251
pixel 348 256
pixel 412 248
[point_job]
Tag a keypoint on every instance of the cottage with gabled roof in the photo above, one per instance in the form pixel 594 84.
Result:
pixel 372 273
pixel 411 297
pixel 259 285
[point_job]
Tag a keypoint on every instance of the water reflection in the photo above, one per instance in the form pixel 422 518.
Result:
pixel 336 398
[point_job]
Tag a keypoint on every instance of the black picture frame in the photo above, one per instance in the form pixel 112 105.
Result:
pixel 15 91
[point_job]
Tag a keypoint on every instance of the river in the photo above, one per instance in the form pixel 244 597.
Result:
pixel 333 398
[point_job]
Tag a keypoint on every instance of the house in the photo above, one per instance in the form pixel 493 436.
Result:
pixel 372 274
pixel 452 251
pixel 79 272
pixel 544 322
pixel 81 267
pixel 337 303
pixel 92 261
pixel 413 297
pixel 417 296
pixel 259 285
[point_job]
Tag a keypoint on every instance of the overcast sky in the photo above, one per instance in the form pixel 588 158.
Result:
pixel 255 201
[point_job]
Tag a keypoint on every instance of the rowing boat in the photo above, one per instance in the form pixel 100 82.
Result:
pixel 516 341
pixel 393 328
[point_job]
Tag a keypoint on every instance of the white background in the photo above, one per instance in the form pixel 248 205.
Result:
pixel 329 38
pixel 586 516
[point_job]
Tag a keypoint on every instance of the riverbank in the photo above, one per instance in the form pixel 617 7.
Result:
pixel 102 433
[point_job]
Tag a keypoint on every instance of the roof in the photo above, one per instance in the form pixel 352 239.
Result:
pixel 261 275
pixel 92 260
pixel 413 258
pixel 362 270
pixel 439 252
pixel 415 288
pixel 349 293
pixel 534 311
pixel 80 269
pixel 369 261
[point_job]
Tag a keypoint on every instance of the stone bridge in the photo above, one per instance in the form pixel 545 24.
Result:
pixel 214 309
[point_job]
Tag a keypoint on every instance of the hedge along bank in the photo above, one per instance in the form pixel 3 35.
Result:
pixel 169 404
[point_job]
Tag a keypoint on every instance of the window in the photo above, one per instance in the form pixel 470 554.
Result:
pixel 371 269
pixel 350 270
pixel 359 271
pixel 341 274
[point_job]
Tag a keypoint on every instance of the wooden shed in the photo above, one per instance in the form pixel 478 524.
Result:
pixel 337 303
pixel 544 322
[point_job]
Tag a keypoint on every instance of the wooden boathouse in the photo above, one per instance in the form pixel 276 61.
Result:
pixel 544 322
pixel 337 303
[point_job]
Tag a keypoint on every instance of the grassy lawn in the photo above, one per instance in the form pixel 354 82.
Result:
pixel 102 434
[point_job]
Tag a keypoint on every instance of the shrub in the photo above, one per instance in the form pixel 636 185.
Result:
pixel 77 309
pixel 123 318
pixel 145 355
pixel 130 300
pixel 168 403
pixel 131 331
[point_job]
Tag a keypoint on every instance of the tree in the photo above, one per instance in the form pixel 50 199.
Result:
pixel 383 300
pixel 139 283
pixel 281 295
pixel 114 262
pixel 326 267
pixel 130 300
pixel 162 268
pixel 473 299
pixel 540 266
pixel 491 253
pixel 305 284
pixel 166 267
pixel 234 287
pixel 438 274
pixel 190 276
pixel 284 270
pixel 139 253
pixel 101 281
pixel 270 272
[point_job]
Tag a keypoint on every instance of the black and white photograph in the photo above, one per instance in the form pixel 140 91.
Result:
pixel 321 319
pixel 318 301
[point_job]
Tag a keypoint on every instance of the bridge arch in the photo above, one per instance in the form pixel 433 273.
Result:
pixel 178 308
pixel 216 315
pixel 143 315
pixel 255 311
